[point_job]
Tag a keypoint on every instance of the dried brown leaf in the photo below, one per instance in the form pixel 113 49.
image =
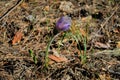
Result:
pixel 101 45
pixel 58 59
pixel 17 38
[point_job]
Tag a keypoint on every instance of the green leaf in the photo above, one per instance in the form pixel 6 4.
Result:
pixel 31 53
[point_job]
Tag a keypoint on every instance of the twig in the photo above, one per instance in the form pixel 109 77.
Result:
pixel 108 19
pixel 114 72
pixel 11 9
pixel 108 52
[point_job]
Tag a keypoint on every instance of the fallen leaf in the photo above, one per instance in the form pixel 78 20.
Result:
pixel 17 38
pixel 102 45
pixel 57 59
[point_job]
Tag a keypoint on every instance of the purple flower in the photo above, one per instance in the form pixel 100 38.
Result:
pixel 63 23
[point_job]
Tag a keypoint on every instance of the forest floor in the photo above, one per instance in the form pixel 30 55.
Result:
pixel 90 50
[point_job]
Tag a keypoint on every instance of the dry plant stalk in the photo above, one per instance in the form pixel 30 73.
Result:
pixel 11 9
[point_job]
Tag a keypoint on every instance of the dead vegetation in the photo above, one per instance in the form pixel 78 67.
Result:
pixel 29 25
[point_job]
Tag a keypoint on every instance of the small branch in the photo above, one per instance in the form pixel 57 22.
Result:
pixel 115 52
pixel 114 72
pixel 11 9
pixel 108 19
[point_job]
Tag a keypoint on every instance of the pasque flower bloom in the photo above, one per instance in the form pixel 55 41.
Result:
pixel 63 23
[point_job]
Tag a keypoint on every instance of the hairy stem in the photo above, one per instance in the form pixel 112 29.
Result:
pixel 47 49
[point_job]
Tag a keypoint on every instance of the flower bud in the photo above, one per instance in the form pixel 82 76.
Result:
pixel 63 23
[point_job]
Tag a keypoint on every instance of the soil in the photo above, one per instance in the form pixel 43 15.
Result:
pixel 27 28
